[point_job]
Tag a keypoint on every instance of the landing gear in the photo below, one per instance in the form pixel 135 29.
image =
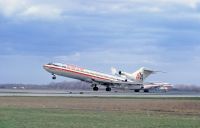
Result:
pixel 137 90
pixel 95 88
pixel 54 76
pixel 146 90
pixel 108 89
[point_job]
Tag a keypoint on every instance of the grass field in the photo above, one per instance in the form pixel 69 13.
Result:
pixel 61 112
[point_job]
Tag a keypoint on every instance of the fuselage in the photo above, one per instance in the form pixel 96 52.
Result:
pixel 79 73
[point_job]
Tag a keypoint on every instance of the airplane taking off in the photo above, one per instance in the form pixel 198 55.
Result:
pixel 121 79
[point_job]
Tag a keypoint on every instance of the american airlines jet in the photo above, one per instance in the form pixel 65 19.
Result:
pixel 120 79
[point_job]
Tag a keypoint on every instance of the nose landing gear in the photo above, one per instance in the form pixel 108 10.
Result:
pixel 54 76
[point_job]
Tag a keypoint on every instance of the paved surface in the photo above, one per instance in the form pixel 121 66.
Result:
pixel 65 93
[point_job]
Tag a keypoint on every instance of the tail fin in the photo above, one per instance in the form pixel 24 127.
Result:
pixel 142 74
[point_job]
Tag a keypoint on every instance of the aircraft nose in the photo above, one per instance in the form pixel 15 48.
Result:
pixel 45 67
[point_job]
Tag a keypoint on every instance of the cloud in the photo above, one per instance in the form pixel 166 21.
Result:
pixel 53 10
pixel 12 7
pixel 27 10
pixel 105 56
pixel 191 3
pixel 42 12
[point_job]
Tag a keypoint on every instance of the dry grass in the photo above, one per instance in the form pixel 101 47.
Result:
pixel 171 106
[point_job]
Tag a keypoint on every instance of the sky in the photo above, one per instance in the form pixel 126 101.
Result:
pixel 162 35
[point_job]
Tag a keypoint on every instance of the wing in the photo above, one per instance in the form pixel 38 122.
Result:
pixel 116 83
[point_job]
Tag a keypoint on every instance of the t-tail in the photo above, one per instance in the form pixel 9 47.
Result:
pixel 141 74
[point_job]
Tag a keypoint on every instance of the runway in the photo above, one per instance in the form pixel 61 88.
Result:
pixel 81 93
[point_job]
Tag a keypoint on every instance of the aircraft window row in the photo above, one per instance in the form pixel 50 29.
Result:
pixel 57 64
pixel 93 74
pixel 87 72
pixel 98 75
pixel 90 73
pixel 74 68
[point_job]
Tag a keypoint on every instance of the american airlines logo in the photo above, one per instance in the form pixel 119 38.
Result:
pixel 139 76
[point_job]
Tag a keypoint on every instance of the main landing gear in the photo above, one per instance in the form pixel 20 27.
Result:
pixel 108 89
pixel 137 90
pixel 145 90
pixel 95 88
pixel 54 76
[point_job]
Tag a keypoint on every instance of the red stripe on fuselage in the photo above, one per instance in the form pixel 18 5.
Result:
pixel 80 73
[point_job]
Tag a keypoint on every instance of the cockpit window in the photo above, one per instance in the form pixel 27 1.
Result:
pixel 50 63
pixel 57 64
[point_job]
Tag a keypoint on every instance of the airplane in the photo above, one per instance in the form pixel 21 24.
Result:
pixel 135 80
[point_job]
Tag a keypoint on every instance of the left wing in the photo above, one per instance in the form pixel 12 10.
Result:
pixel 117 83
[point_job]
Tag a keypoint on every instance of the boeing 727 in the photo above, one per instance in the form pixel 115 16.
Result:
pixel 135 80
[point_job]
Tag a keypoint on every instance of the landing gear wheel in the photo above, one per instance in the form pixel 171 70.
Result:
pixel 108 89
pixel 95 88
pixel 53 77
pixel 137 90
pixel 146 90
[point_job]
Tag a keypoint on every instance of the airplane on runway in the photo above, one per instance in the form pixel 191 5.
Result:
pixel 122 79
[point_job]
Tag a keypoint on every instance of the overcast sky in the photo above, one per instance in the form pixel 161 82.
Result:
pixel 97 34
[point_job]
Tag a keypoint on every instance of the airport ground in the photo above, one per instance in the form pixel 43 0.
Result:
pixel 100 93
pixel 99 112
